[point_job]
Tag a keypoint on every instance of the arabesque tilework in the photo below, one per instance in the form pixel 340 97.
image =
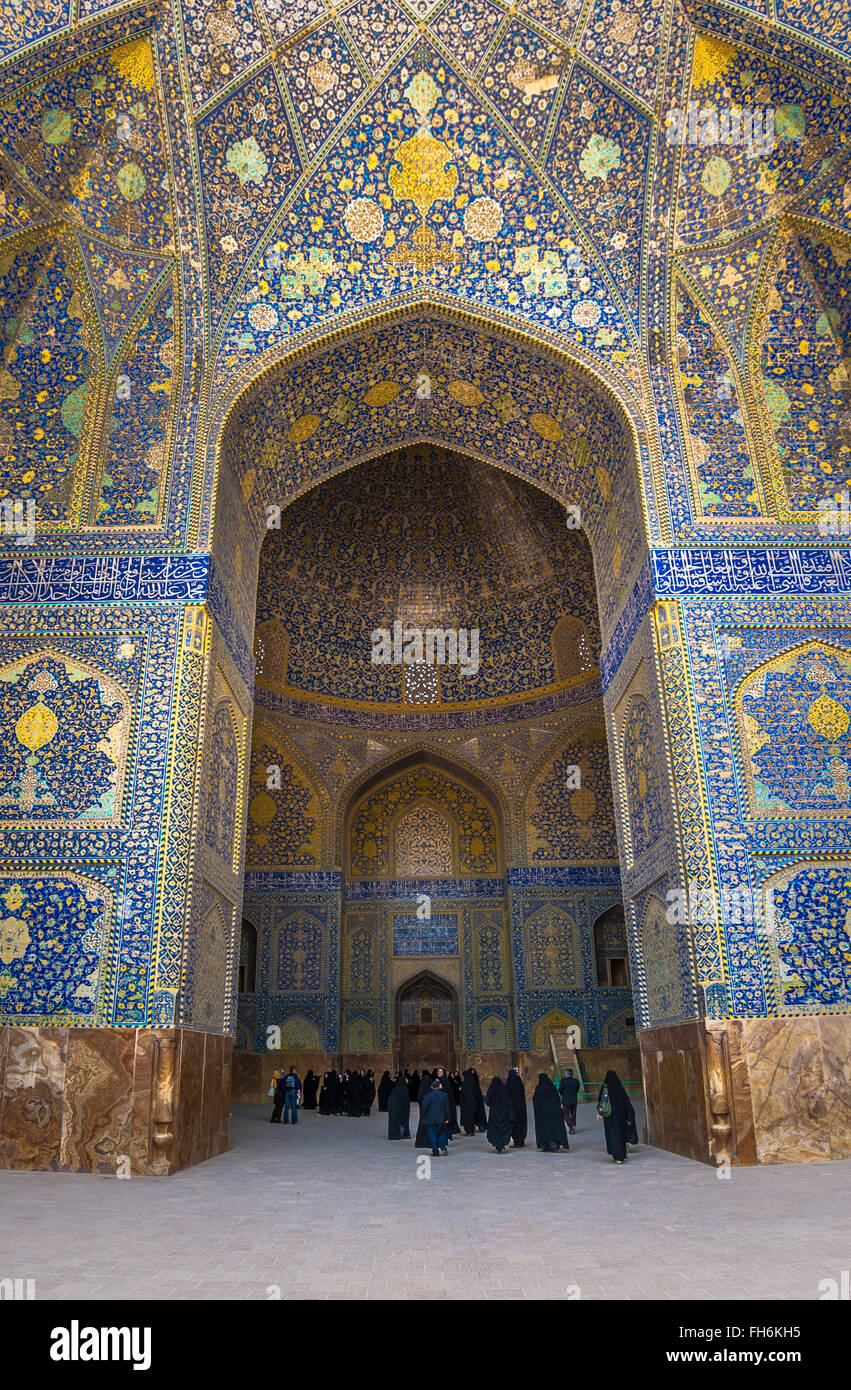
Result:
pixel 245 248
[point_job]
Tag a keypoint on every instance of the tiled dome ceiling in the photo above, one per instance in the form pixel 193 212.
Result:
pixel 430 540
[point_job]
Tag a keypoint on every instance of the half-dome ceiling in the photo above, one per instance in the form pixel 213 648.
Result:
pixel 424 540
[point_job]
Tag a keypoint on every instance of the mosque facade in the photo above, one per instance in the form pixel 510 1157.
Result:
pixel 529 320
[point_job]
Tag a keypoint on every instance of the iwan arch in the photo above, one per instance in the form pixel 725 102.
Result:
pixel 272 339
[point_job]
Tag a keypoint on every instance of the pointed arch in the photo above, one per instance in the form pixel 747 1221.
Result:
pixel 288 806
pixel 81 777
pixel 426 984
pixel 792 745
pixel 416 755
pixel 566 802
pixel 372 816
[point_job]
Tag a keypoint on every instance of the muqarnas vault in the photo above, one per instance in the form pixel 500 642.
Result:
pixel 447 251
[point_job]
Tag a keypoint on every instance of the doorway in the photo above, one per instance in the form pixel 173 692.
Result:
pixel 426 1022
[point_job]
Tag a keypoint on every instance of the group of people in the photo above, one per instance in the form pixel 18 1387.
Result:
pixel 348 1092
pixel 502 1113
pixel 338 1093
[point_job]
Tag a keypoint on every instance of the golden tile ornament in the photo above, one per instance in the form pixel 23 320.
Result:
pixel 242 250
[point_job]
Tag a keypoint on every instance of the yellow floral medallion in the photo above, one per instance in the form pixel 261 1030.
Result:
pixel 422 175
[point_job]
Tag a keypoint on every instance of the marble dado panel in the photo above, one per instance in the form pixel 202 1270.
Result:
pixel 122 1101
pixel 800 1077
pixel 762 1090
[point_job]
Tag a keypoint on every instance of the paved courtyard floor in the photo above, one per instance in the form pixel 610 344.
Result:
pixel 330 1209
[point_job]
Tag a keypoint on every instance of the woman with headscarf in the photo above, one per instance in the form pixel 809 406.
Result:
pixel 329 1095
pixel 308 1096
pixel 620 1118
pixel 499 1109
pixel 519 1111
pixel 324 1099
pixel 550 1129
pixel 413 1085
pixel 423 1139
pixel 385 1086
pixel 472 1103
pixel 399 1110
pixel 481 1112
pixel 368 1091
pixel 446 1085
pixel 354 1105
pixel 279 1096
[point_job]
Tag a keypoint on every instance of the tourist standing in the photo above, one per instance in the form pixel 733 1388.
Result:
pixel 614 1108
pixel 434 1114
pixel 292 1092
pixel 399 1110
pixel 499 1109
pixel 385 1086
pixel 518 1108
pixel 278 1094
pixel 569 1092
pixel 550 1131
pixel 311 1084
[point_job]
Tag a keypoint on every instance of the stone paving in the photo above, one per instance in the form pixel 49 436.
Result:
pixel 330 1209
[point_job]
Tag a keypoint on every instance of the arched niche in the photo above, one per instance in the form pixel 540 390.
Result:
pixel 554 1021
pixel 223 782
pixel 247 978
pixel 454 768
pixel 611 953
pixel 287 806
pixel 412 784
pixel 792 719
pixel 69 727
pixel 567 431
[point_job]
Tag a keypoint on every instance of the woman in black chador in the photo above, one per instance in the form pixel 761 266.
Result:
pixel 413 1079
pixel 308 1095
pixel 499 1109
pixel 399 1111
pixel 446 1085
pixel 385 1086
pixel 621 1118
pixel 550 1130
pixel 473 1115
pixel 519 1112
pixel 329 1096
pixel 368 1091
pixel 422 1140
pixel 354 1106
